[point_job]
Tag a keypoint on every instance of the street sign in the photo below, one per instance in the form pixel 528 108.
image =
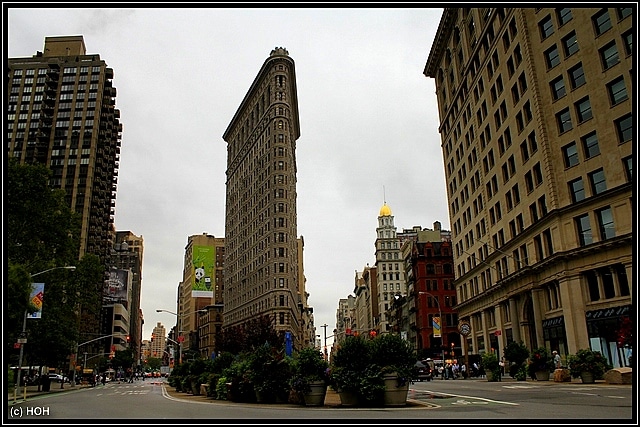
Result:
pixel 22 340
pixel 16 345
pixel 498 332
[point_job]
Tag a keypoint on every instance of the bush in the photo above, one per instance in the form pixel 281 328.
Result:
pixel 394 354
pixel 586 360
pixel 308 365
pixel 540 360
pixel 270 372
pixel 349 361
pixel 490 364
pixel 238 375
pixel 221 388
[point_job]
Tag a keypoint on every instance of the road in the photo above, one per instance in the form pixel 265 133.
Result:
pixel 465 401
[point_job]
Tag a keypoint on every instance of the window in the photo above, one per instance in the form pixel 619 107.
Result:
pixel 627 39
pixel 590 145
pixel 570 44
pixel 601 22
pixel 628 167
pixel 570 154
pixel 584 230
pixel 617 91
pixel 546 27
pixel 624 126
pixel 564 15
pixel 605 223
pixel 564 120
pixel 609 55
pixel 598 183
pixel 576 76
pixel 576 188
pixel 552 56
pixel 623 12
pixel 583 110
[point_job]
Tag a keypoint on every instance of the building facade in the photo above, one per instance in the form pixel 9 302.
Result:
pixel 431 296
pixel 389 267
pixel 126 254
pixel 158 344
pixel 536 128
pixel 61 113
pixel 261 275
pixel 201 285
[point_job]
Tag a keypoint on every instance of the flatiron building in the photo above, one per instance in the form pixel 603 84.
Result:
pixel 261 270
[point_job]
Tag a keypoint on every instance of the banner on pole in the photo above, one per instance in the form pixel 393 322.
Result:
pixel 36 298
pixel 436 327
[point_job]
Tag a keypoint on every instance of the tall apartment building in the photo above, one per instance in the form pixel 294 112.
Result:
pixel 261 275
pixel 201 286
pixel 537 137
pixel 126 254
pixel 61 113
pixel 158 342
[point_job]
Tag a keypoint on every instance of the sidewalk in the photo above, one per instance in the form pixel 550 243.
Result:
pixel 32 391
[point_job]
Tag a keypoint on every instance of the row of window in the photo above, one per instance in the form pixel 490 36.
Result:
pixel 601 23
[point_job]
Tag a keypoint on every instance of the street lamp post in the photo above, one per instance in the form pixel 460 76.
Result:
pixel 179 324
pixel 441 322
pixel 23 335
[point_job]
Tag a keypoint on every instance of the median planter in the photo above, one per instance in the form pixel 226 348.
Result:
pixel 396 390
pixel 316 394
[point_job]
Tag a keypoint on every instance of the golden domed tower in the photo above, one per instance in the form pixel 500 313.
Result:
pixel 385 210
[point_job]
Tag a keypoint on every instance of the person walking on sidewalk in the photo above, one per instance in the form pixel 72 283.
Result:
pixel 556 360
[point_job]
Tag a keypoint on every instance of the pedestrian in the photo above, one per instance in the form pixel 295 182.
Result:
pixel 104 379
pixel 556 360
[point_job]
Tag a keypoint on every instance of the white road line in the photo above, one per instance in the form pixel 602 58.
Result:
pixel 475 398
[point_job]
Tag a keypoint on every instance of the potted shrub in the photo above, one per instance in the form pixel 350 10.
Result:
pixel 491 366
pixel 309 378
pixel 239 385
pixel 270 372
pixel 396 358
pixel 587 364
pixel 540 364
pixel 349 361
pixel 517 354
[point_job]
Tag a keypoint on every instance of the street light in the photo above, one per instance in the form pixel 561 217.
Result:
pixel 23 335
pixel 179 320
pixel 441 322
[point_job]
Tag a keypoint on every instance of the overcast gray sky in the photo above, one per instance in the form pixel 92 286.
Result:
pixel 368 121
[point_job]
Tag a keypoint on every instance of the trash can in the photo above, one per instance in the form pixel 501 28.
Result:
pixel 46 383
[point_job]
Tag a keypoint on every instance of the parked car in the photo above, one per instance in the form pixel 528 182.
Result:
pixel 58 378
pixel 423 371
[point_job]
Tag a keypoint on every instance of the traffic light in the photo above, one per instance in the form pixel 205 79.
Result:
pixel 128 338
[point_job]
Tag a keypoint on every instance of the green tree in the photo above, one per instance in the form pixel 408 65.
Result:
pixel 43 233
pixel 123 359
pixel 41 230
pixel 153 364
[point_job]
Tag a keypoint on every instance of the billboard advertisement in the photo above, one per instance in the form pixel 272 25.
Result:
pixel 116 287
pixel 204 262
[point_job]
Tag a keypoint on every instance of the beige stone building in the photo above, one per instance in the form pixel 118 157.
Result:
pixel 262 270
pixel 536 130
pixel 201 286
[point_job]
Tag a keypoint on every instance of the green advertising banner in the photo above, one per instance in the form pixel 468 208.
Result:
pixel 203 271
